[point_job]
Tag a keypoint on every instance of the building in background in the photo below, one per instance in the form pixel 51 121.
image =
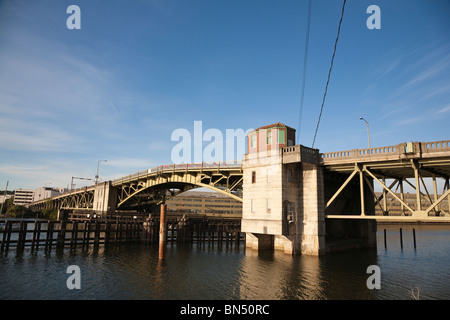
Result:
pixel 204 203
pixel 47 192
pixel 23 196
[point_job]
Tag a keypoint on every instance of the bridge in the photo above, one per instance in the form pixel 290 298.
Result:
pixel 294 198
pixel 145 190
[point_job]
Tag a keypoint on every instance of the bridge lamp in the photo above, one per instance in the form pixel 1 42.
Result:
pixel 98 164
pixel 368 134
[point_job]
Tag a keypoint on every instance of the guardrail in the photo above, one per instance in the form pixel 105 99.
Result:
pixel 436 145
pixel 418 148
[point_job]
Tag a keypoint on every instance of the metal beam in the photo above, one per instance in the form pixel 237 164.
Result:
pixel 438 201
pixel 389 190
pixel 341 188
pixel 361 189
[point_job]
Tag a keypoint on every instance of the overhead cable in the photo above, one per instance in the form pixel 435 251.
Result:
pixel 329 73
pixel 305 60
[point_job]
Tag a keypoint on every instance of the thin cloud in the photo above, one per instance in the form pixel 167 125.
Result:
pixel 426 74
pixel 444 110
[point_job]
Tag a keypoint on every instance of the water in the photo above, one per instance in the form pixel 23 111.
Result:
pixel 210 272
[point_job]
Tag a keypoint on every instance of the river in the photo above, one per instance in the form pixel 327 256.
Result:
pixel 212 271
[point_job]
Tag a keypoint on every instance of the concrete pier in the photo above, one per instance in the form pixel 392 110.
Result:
pixel 283 203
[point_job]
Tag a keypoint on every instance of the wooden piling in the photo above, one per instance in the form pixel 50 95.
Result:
pixel 85 239
pixel 385 242
pixel 107 232
pixel 3 243
pixel 97 233
pixel 401 238
pixel 61 234
pixel 414 237
pixel 35 237
pixel 49 235
pixel 6 235
pixel 74 237
pixel 20 236
pixel 162 231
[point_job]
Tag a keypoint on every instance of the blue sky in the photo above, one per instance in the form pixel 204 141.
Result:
pixel 137 70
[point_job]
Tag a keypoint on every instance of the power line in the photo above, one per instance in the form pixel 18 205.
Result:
pixel 329 72
pixel 304 71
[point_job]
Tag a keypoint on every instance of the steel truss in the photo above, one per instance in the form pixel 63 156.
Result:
pixel 400 172
pixel 154 186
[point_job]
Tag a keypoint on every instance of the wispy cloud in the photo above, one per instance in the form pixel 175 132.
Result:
pixel 444 110
pixel 438 66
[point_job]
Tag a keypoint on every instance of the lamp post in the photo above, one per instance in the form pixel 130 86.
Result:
pixel 98 164
pixel 71 182
pixel 368 133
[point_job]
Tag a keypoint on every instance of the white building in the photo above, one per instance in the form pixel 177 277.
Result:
pixel 26 196
pixel 23 196
pixel 46 192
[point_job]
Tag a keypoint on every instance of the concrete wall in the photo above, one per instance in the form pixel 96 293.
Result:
pixel 105 198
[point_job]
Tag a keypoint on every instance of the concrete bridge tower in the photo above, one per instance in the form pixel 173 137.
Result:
pixel 283 203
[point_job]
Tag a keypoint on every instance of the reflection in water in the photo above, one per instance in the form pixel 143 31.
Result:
pixel 274 275
pixel 278 276
pixel 210 271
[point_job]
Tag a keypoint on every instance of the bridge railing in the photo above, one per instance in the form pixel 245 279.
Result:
pixel 181 167
pixel 418 148
pixel 436 146
pixel 359 153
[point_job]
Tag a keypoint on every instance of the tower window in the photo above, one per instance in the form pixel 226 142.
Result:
pixel 253 141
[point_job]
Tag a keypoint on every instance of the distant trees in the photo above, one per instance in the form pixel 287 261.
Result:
pixel 11 210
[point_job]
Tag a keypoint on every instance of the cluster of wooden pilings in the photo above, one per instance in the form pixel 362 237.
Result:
pixel 193 230
pixel 16 233
pixel 48 234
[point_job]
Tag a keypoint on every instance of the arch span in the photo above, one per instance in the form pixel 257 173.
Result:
pixel 155 185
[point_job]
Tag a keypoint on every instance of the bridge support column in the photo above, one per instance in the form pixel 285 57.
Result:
pixel 311 222
pixel 105 198
pixel 283 203
pixel 257 241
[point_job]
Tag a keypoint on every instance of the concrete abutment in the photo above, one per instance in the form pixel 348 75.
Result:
pixel 284 199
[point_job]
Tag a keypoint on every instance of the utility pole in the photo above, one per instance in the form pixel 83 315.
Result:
pixel 98 164
pixel 71 182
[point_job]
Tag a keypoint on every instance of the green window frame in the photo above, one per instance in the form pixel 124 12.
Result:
pixel 281 136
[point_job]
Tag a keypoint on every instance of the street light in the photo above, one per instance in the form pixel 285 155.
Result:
pixel 71 182
pixel 98 164
pixel 368 134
